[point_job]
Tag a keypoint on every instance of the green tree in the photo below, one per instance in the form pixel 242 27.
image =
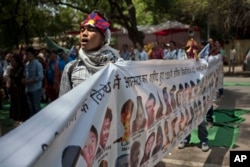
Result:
pixel 222 19
pixel 21 20
pixel 121 12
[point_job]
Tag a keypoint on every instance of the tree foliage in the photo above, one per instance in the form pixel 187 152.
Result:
pixel 23 19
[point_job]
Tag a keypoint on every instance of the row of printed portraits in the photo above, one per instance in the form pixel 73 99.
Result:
pixel 181 108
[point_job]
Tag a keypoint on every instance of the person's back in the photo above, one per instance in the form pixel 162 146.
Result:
pixel 94 54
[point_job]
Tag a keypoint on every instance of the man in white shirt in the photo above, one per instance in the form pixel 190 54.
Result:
pixel 232 56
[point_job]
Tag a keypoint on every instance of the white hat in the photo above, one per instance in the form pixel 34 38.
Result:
pixel 41 55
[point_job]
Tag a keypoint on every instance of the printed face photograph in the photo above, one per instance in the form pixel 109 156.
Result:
pixel 135 154
pixel 159 137
pixel 165 95
pixel 89 147
pixel 166 130
pixel 149 144
pixel 150 106
pixel 140 117
pixel 126 112
pixel 105 131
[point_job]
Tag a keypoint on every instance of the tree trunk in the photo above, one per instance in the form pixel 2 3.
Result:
pixel 136 36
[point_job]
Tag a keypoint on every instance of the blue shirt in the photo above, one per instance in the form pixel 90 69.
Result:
pixel 62 63
pixel 35 71
pixel 50 72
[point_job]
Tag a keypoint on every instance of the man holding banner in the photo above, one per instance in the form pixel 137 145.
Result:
pixel 202 127
pixel 94 53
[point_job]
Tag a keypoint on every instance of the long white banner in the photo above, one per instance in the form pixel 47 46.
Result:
pixel 129 113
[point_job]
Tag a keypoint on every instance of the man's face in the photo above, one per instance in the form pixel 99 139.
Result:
pixel 150 106
pixel 165 96
pixel 91 38
pixel 126 115
pixel 135 158
pixel 140 117
pixel 26 56
pixel 89 148
pixel 105 132
pixel 159 140
pixel 149 144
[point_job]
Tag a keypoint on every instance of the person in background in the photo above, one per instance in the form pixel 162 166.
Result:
pixel 191 48
pixel 212 48
pixel 33 80
pixel 94 54
pixel 63 60
pixel 135 52
pixel 222 52
pixel 52 77
pixel 166 49
pixel 142 53
pixel 157 51
pixel 73 53
pixel 5 72
pixel 232 56
pixel 19 109
pixel 42 59
pixel 173 51
pixel 125 52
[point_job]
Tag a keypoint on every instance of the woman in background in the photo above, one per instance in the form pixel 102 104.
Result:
pixel 19 110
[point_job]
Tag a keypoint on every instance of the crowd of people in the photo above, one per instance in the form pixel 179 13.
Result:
pixel 31 77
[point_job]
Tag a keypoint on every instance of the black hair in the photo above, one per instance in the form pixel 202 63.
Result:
pixel 151 96
pixel 151 135
pixel 18 60
pixel 31 50
pixel 108 114
pixel 173 42
pixel 129 103
pixel 180 87
pixel 93 129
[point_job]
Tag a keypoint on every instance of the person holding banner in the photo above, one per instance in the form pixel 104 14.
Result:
pixel 94 54
pixel 202 127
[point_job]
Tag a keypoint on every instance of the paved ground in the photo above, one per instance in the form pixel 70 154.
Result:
pixel 235 97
